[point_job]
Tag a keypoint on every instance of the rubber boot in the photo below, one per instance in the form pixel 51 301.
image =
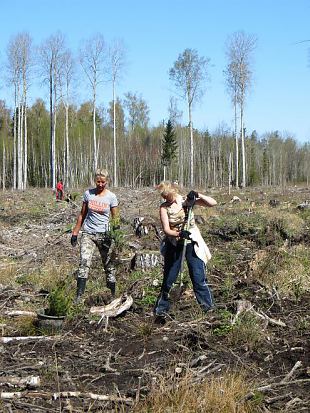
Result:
pixel 81 284
pixel 111 286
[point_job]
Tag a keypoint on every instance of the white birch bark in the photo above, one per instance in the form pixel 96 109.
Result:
pixel 95 154
pixel 236 144
pixel 191 145
pixel 51 53
pixel 19 144
pixel 114 139
pixel 15 145
pixel 67 147
pixel 91 59
pixel 117 62
pixel 229 174
pixel 243 148
pixel 25 149
pixel 3 166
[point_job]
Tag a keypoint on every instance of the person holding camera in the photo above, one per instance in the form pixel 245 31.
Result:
pixel 99 206
pixel 183 241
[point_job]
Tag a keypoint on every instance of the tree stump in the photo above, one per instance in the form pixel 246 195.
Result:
pixel 144 226
pixel 304 205
pixel 146 260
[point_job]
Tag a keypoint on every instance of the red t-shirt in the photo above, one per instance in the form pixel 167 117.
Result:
pixel 59 186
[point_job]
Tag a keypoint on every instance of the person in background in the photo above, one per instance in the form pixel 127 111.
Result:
pixel 179 228
pixel 60 190
pixel 99 206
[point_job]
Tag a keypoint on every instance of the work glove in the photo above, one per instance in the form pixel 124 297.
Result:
pixel 192 195
pixel 184 234
pixel 73 240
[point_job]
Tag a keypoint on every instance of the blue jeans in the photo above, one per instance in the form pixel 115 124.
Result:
pixel 197 272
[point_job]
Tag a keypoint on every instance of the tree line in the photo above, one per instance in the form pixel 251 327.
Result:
pixel 41 143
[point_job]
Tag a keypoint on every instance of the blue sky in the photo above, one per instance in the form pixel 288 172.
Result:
pixel 156 32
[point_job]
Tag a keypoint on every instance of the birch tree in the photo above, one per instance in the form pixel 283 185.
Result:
pixel 5 128
pixel 116 64
pixel 233 90
pixel 51 53
pixel 26 62
pixel 66 78
pixel 14 67
pixel 138 111
pixel 19 61
pixel 92 58
pixel 189 73
pixel 175 114
pixel 240 48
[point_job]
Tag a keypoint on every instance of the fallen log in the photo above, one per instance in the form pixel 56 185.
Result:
pixel 291 372
pixel 93 396
pixel 16 313
pixel 280 384
pixel 5 340
pixel 15 381
pixel 11 395
pixel 116 307
pixel 65 394
pixel 245 305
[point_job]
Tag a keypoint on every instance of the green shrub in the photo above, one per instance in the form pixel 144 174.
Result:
pixel 225 323
pixel 59 300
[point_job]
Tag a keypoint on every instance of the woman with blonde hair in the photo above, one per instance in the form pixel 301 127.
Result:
pixel 179 226
pixel 98 205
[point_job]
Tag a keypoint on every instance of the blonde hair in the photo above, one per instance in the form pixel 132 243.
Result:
pixel 101 173
pixel 166 187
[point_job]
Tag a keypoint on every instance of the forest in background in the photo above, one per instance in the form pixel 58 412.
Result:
pixel 40 143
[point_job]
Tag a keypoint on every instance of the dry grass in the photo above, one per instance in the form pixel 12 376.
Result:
pixel 9 270
pixel 247 332
pixel 287 270
pixel 290 225
pixel 47 276
pixel 226 394
pixel 22 326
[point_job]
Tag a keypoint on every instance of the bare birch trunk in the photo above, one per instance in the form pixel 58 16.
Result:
pixel 52 163
pixel 229 174
pixel 114 138
pixel 67 152
pixel 54 150
pixel 3 166
pixel 242 148
pixel 191 146
pixel 15 146
pixel 22 144
pixel 25 149
pixel 237 146
pixel 95 154
pixel 181 160
pixel 19 147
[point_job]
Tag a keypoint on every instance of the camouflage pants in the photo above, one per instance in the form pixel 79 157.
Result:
pixel 106 248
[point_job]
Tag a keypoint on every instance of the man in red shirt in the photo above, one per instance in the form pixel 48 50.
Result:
pixel 60 190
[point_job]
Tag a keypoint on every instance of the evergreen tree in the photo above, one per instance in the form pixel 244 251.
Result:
pixel 170 146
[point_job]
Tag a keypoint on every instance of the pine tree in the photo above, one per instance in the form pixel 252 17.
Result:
pixel 170 146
